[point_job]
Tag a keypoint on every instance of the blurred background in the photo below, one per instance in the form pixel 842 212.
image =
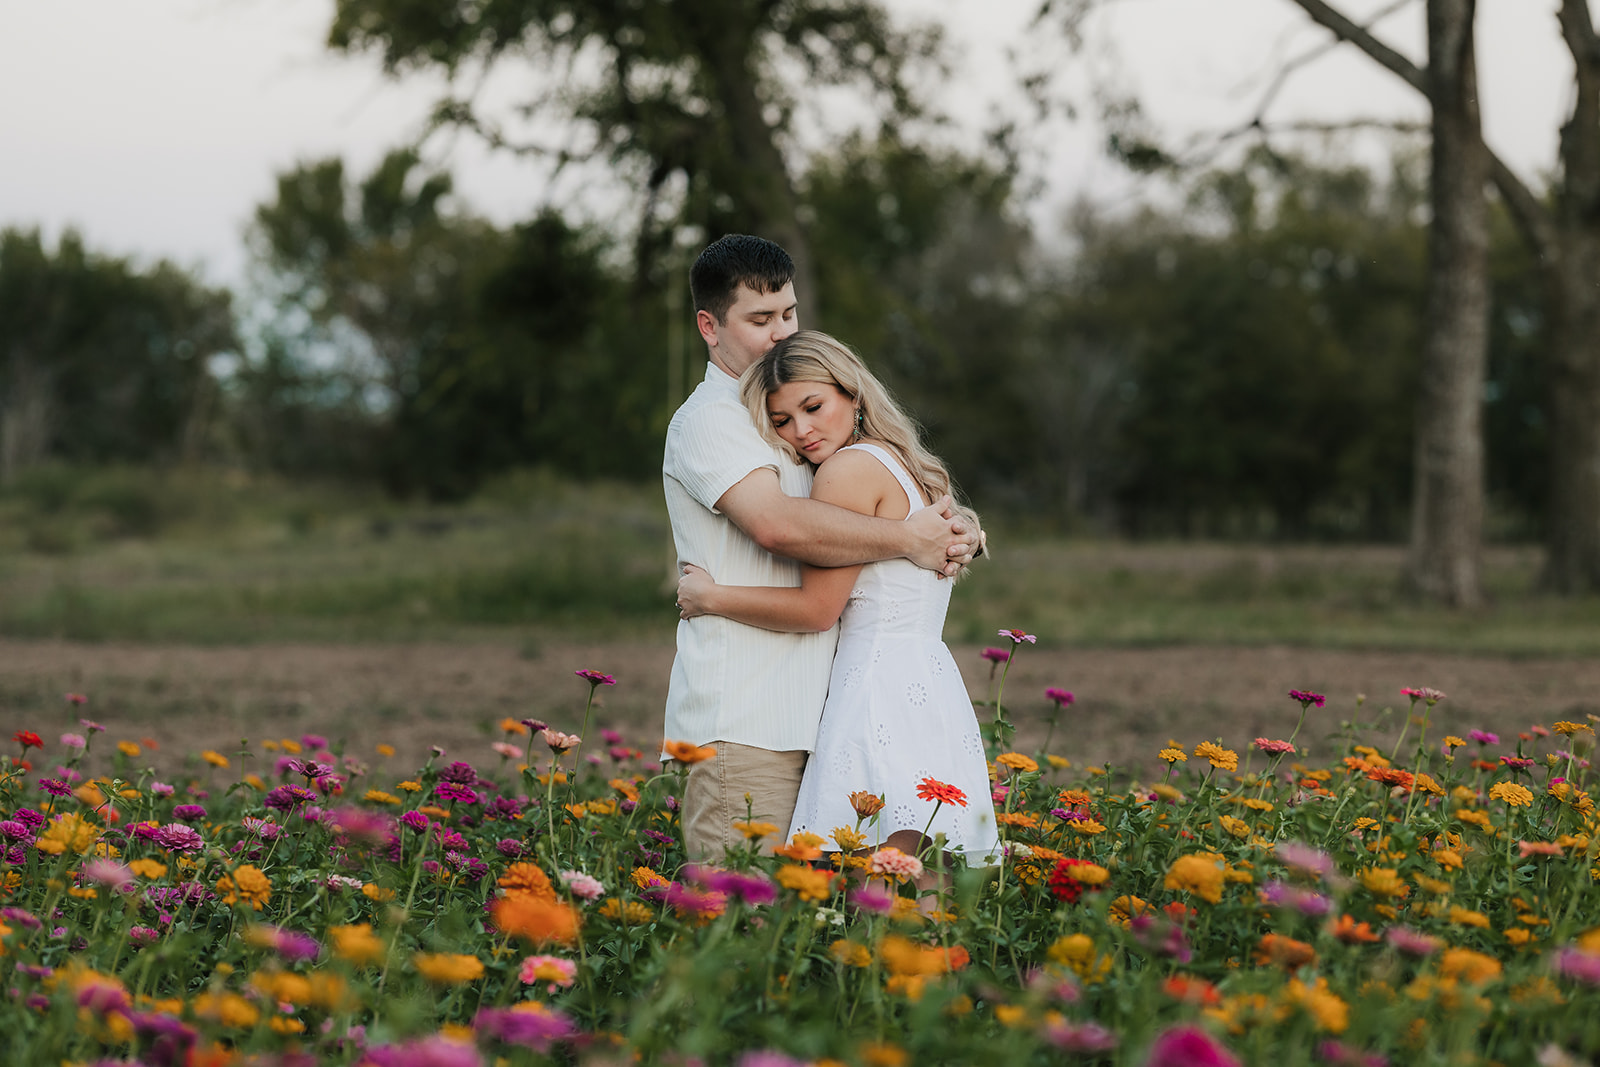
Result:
pixel 334 328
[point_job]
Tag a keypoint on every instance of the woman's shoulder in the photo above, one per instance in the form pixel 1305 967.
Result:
pixel 853 478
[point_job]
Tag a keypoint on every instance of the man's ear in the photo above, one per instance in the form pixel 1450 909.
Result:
pixel 707 324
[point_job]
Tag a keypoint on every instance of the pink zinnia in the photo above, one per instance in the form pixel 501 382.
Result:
pixel 1188 1046
pixel 891 861
pixel 1078 1037
pixel 996 655
pixel 1061 697
pixel 558 741
pixel 1307 698
pixel 1274 748
pixel 1576 963
pixel 1411 942
pixel 1306 858
pixel 583 886
pixel 1432 696
pixel 108 873
pixel 1484 737
pixel 558 972
pixel 73 740
pixel 873 898
pixel 1017 636
pixel 595 677
pixel 506 749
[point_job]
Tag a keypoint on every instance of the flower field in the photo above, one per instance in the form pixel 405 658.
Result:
pixel 307 902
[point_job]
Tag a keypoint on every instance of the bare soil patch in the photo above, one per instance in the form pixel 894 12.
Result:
pixel 1129 701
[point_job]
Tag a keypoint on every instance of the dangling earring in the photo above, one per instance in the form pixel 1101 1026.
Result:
pixel 857 435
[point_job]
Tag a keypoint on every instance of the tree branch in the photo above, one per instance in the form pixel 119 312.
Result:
pixel 1531 216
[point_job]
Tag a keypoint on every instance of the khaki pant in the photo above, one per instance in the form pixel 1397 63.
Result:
pixel 715 797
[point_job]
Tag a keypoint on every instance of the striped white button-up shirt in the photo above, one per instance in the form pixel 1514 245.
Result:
pixel 732 682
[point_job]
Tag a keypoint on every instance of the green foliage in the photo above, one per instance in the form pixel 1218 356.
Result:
pixel 102 362
pixel 437 348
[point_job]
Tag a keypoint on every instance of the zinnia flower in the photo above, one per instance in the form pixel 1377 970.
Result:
pixel 1200 874
pixel 595 678
pixel 687 753
pixel 1188 1046
pixel 1514 795
pixel 529 1024
pixel 1273 748
pixel 582 886
pixel 1307 698
pixel 944 793
pixel 558 972
pixel 1060 697
pixel 1018 637
pixel 536 920
pixel 893 863
pixel 448 968
pixel 995 655
pixel 558 741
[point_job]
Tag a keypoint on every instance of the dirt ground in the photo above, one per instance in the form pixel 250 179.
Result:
pixel 1129 701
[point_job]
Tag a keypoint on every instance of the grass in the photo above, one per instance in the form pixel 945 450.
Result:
pixel 208 557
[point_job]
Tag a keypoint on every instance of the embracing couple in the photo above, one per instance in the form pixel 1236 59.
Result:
pixel 814 535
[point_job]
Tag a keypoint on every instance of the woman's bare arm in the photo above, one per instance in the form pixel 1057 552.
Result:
pixel 860 484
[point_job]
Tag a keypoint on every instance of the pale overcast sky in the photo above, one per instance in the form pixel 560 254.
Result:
pixel 155 126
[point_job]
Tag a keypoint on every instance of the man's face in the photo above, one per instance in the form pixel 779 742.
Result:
pixel 754 323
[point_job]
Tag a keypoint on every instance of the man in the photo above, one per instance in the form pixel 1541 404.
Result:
pixel 740 509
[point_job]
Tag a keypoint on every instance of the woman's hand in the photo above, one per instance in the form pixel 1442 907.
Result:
pixel 695 589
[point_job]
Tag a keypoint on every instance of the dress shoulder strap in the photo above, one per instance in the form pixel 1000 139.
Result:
pixel 884 456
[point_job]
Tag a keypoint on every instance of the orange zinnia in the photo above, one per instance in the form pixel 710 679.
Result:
pixel 1286 952
pixel 687 753
pixel 527 880
pixel 536 920
pixel 1351 932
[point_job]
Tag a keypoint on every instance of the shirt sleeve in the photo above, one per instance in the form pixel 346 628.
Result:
pixel 713 449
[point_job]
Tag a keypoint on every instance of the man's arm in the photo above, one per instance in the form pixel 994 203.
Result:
pixel 828 536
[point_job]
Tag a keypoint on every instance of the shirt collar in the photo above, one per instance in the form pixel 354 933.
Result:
pixel 718 378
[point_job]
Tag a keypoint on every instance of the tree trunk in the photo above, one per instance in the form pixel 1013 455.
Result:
pixel 1447 496
pixel 765 192
pixel 26 395
pixel 1571 263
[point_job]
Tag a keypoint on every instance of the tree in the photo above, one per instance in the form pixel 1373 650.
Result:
pixel 433 348
pixel 1447 497
pixel 100 361
pixel 1564 237
pixel 692 89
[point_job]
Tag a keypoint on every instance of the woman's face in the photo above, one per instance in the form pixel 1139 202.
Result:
pixel 815 418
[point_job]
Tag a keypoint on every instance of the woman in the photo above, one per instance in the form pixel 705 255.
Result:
pixel 897 710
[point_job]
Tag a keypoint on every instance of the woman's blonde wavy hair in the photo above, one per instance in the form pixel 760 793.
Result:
pixel 813 356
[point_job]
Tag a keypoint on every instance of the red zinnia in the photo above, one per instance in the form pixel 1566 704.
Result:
pixel 594 677
pixel 932 789
pixel 27 739
pixel 1063 886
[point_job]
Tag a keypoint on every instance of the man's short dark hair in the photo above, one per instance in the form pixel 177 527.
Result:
pixel 734 260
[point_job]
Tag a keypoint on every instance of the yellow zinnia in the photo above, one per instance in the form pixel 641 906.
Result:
pixel 1200 874
pixel 1017 762
pixel 447 968
pixel 356 943
pixel 809 883
pixel 1513 794
pixel 1223 759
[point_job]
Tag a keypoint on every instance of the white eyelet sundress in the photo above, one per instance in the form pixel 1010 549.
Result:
pixel 898 712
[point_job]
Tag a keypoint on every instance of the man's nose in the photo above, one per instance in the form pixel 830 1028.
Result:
pixel 785 328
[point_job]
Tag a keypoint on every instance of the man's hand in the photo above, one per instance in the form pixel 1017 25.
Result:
pixel 942 541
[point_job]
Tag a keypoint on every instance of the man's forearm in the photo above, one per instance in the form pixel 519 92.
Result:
pixel 826 536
